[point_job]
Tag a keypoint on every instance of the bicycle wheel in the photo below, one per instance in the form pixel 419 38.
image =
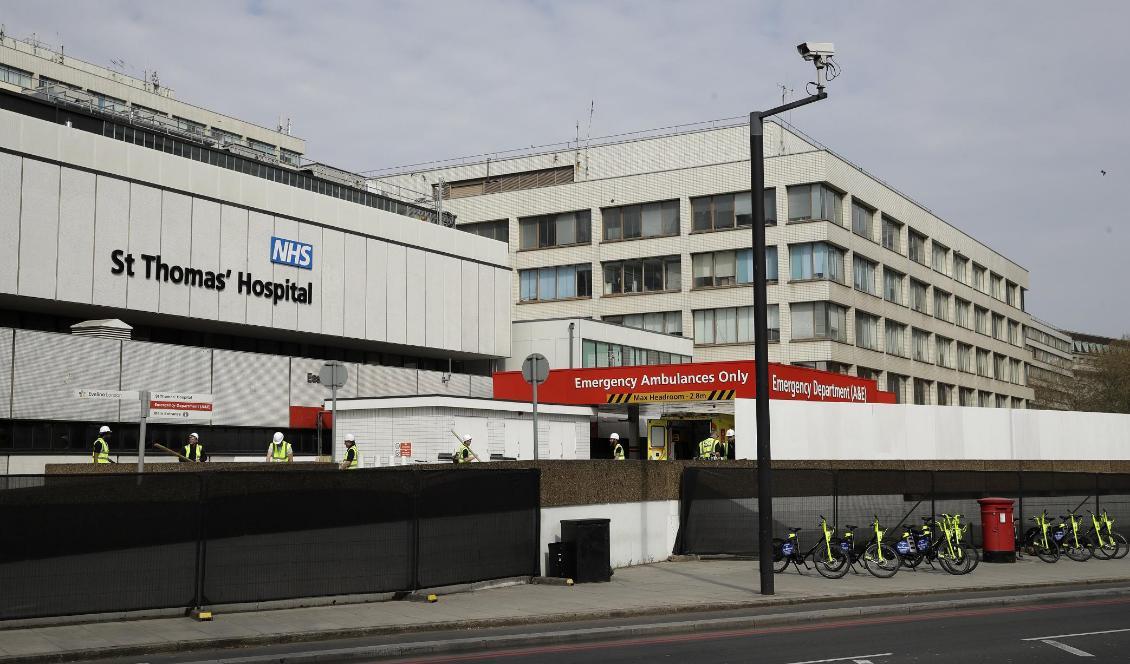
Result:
pixel 885 568
pixel 957 563
pixel 833 568
pixel 1034 544
pixel 1120 541
pixel 1078 553
pixel 972 557
pixel 780 560
pixel 1106 550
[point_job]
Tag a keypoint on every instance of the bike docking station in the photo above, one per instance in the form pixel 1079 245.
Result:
pixel 997 535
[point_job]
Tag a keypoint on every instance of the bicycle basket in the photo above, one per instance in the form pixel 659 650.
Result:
pixel 787 548
pixel 904 547
pixel 845 546
pixel 1059 535
pixel 923 542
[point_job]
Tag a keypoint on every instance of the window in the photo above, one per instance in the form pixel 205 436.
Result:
pixel 225 137
pixel 261 147
pixel 863 272
pixel 998 327
pixel 964 357
pixel 916 246
pixel 631 222
pixel 14 76
pixel 108 103
pixel 732 325
pixel 1000 366
pixel 555 230
pixel 894 338
pixel 943 351
pixel 963 313
pixel 897 384
pixel 920 345
pixel 508 182
pixel 289 157
pixel 979 278
pixel 866 331
pixel 818 320
pixel 984 399
pixel 725 211
pixel 1002 401
pixel 892 230
pixel 945 394
pixel 996 285
pixel 1014 371
pixel 984 357
pixel 966 397
pixel 892 285
pixel 816 260
pixel 665 322
pixel 642 275
pixel 939 254
pixel 729 268
pixel 918 295
pixel 603 354
pixel 184 124
pixel 1011 296
pixel 815 201
pixel 961 268
pixel 862 220
pixel 981 319
pixel 942 305
pixel 555 283
pixel 1014 333
pixel 868 374
pixel 921 391
pixel 495 230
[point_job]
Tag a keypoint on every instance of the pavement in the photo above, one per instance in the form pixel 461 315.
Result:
pixel 660 589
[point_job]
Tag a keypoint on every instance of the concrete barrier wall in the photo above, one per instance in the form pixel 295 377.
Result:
pixel 841 431
pixel 639 532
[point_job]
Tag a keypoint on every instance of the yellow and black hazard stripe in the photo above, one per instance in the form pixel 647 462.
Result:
pixel 624 397
pixel 721 395
pixel 649 397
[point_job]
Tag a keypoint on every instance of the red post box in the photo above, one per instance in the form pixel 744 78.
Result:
pixel 997 536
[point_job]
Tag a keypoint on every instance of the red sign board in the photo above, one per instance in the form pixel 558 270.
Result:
pixel 404 449
pixel 699 381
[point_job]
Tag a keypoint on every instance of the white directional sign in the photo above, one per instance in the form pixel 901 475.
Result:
pixel 180 407
pixel 115 395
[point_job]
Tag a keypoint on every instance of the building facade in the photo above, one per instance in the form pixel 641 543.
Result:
pixel 655 233
pixel 1051 367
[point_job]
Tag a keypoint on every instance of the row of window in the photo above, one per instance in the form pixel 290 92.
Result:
pixel 603 354
pixel 921 391
pixel 1047 339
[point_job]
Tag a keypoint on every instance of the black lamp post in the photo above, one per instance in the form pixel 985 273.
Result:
pixel 820 55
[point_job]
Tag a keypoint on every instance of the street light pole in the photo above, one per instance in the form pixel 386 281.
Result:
pixel 761 338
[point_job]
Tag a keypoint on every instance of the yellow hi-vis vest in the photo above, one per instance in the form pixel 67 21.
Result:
pixel 355 461
pixel 194 452
pixel 102 454
pixel 706 448
pixel 279 451
pixel 462 454
pixel 618 452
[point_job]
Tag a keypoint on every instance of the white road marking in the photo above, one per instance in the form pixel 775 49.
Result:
pixel 1066 648
pixel 860 659
pixel 1068 636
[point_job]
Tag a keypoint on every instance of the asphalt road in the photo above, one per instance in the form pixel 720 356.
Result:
pixel 1047 632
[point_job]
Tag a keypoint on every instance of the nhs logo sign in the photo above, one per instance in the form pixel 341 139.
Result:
pixel 289 252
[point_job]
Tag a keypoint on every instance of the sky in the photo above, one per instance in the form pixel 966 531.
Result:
pixel 998 116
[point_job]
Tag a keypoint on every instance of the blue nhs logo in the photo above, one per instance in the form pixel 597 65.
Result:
pixel 289 252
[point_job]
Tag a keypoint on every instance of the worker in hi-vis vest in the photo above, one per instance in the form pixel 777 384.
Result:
pixel 706 448
pixel 352 460
pixel 464 453
pixel 279 450
pixel 101 451
pixel 193 449
pixel 617 448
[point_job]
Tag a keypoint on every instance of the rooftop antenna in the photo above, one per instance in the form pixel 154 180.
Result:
pixel 588 136
pixel 577 148
pixel 785 92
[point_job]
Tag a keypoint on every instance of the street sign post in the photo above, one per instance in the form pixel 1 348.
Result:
pixel 164 406
pixel 333 375
pixel 535 369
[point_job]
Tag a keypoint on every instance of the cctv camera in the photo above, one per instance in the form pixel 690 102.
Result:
pixel 816 51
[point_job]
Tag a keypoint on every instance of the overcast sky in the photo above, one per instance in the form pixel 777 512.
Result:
pixel 999 116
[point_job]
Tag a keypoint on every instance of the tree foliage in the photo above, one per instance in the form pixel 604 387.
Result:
pixel 1101 383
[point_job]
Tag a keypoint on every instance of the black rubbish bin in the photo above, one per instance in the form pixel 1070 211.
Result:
pixel 589 541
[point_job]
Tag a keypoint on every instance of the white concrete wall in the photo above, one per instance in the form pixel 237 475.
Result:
pixel 639 533
pixel 804 430
pixel 68 199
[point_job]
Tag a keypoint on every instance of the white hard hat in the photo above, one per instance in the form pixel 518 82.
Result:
pixel 104 429
pixel 729 432
pixel 466 438
pixel 193 435
pixel 278 437
pixel 349 438
pixel 614 436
